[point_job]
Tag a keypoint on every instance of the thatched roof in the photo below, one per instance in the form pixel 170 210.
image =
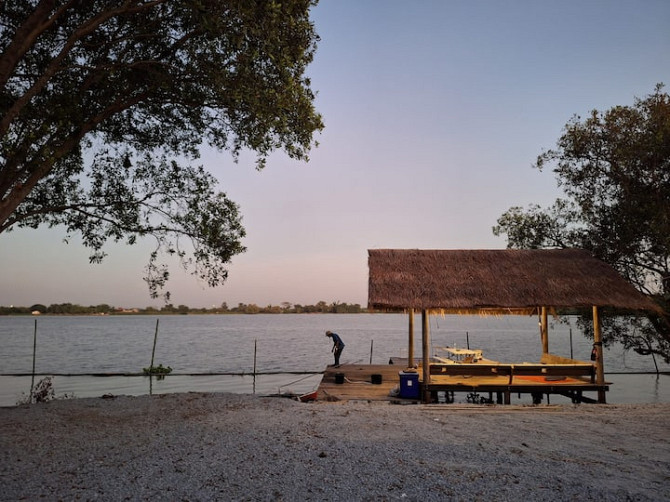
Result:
pixel 496 281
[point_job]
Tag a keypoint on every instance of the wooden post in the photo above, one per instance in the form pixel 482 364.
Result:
pixel 254 385
pixel 153 351
pixel 598 343
pixel 425 344
pixel 32 380
pixel 545 332
pixel 410 347
pixel 151 366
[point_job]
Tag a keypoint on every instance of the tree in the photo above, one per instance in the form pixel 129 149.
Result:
pixel 614 168
pixel 252 308
pixel 103 308
pixel 105 105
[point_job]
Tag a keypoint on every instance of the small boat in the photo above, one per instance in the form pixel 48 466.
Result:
pixel 455 355
pixel 310 396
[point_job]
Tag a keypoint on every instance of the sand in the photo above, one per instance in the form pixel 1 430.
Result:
pixel 237 447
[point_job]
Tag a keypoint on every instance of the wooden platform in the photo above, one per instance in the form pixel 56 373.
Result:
pixel 500 388
pixel 357 384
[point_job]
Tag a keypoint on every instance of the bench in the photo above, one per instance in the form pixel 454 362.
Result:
pixel 551 368
pixel 554 359
pixel 556 370
pixel 472 369
pixel 577 369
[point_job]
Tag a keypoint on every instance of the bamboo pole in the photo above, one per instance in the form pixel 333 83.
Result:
pixel 545 332
pixel 571 354
pixel 151 366
pixel 425 342
pixel 653 356
pixel 32 379
pixel 153 351
pixel 410 347
pixel 255 349
pixel 598 343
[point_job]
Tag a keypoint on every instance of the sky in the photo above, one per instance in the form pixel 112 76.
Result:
pixel 434 113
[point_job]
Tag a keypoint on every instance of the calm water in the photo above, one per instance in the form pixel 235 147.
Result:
pixel 283 343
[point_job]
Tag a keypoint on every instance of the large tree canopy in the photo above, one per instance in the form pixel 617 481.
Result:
pixel 105 105
pixel 614 168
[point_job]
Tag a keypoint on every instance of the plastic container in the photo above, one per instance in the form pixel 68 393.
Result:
pixel 409 385
pixel 339 378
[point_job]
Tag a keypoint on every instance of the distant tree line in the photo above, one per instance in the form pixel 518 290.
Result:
pixel 242 308
pixel 289 308
pixel 60 308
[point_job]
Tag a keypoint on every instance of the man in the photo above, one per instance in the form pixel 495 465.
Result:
pixel 338 346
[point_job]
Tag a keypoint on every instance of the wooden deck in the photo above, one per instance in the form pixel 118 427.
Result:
pixel 357 384
pixel 499 389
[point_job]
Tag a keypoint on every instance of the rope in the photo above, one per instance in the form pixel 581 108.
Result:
pixel 298 380
pixel 356 381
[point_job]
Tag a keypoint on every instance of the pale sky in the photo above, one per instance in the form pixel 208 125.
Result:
pixel 434 114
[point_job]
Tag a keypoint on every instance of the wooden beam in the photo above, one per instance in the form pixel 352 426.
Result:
pixel 410 348
pixel 425 345
pixel 598 344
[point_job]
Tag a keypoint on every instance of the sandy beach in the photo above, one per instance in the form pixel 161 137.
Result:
pixel 239 447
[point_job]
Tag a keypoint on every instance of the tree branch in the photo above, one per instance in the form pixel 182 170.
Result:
pixel 51 70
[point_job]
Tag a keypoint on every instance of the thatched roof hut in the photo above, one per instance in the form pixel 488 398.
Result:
pixel 496 281
pixel 501 281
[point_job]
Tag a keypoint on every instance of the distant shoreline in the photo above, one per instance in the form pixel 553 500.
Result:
pixel 169 309
pixel 113 314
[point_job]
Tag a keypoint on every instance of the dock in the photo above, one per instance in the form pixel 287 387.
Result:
pixel 371 382
pixel 358 383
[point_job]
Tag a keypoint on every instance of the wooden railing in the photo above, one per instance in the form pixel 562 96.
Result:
pixel 575 369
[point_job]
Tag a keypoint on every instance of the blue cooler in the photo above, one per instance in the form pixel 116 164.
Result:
pixel 409 385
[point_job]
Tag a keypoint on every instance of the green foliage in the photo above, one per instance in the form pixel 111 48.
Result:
pixel 159 371
pixel 104 107
pixel 59 308
pixel 614 168
pixel 75 309
pixel 287 308
pixel 12 310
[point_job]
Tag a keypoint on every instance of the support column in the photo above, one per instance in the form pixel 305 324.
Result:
pixel 598 344
pixel 410 348
pixel 544 330
pixel 425 345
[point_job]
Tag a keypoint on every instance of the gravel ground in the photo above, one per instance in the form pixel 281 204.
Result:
pixel 237 447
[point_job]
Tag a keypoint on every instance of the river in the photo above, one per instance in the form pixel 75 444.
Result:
pixel 200 347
